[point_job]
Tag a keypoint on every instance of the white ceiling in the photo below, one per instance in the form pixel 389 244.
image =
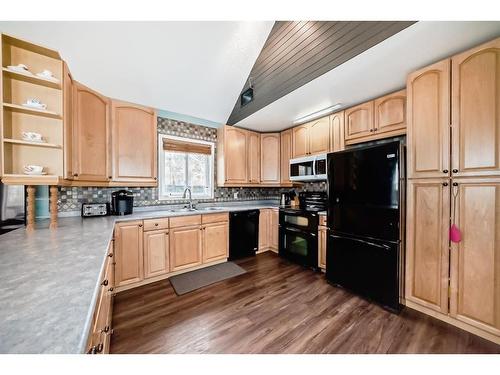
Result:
pixel 191 68
pixel 379 70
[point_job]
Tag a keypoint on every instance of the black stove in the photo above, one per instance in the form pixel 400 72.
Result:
pixel 298 229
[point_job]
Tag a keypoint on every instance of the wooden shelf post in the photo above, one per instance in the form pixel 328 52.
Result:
pixel 30 208
pixel 53 206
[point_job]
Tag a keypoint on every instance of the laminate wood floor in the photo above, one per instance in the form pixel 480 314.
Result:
pixel 276 307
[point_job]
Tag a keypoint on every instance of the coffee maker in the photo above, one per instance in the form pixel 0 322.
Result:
pixel 122 202
pixel 286 198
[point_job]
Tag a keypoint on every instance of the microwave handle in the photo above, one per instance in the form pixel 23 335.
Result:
pixel 314 166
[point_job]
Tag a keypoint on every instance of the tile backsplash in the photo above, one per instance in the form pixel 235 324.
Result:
pixel 71 198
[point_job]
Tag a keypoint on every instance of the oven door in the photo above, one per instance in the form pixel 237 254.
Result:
pixel 307 222
pixel 299 246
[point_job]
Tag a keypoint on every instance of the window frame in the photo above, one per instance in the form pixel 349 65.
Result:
pixel 161 167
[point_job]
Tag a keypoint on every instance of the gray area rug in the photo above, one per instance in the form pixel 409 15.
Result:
pixel 189 281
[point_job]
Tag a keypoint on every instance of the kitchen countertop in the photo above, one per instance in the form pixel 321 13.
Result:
pixel 49 279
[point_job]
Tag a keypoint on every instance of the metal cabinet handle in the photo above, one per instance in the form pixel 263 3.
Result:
pixel 105 282
pixel 96 349
pixel 156 224
pixel 75 174
pixel 445 170
pixel 455 171
pixel 140 225
pixel 455 184
pixel 445 184
pixel 110 255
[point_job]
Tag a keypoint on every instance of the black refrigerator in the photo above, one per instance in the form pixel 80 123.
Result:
pixel 365 221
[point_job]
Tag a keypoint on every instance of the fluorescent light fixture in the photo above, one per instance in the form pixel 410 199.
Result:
pixel 317 114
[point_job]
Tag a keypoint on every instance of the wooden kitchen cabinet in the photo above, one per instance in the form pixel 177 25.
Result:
pixel 274 227
pixel 185 247
pixel 322 244
pixel 427 249
pixel 319 136
pixel 475 260
pixel 270 158
pixel 286 155
pixel 134 143
pixel 68 122
pixel 300 141
pixel 90 136
pixel 359 121
pixel 428 122
pixel 390 113
pixel 475 111
pixel 156 253
pixel 264 222
pixel 232 153
pixel 129 268
pixel 215 241
pixel 253 157
pixel 337 142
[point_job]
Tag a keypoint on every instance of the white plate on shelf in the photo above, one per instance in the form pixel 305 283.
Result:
pixel 35 173
pixel 49 78
pixel 30 105
pixel 19 69
pixel 34 140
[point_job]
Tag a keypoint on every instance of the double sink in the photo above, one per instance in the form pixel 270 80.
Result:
pixel 203 209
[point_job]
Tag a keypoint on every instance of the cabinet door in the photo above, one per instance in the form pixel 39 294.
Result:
pixel 156 253
pixel 322 247
pixel 300 141
pixel 235 155
pixel 274 237
pixel 90 135
pixel 215 242
pixel 359 121
pixel 185 247
pixel 476 111
pixel 286 154
pixel 390 113
pixel 428 123
pixel 270 158
pixel 253 158
pixel 129 267
pixel 264 230
pixel 134 143
pixel 475 261
pixel 319 136
pixel 337 132
pixel 427 249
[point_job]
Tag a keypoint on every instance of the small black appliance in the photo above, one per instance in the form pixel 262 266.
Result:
pixel 95 209
pixel 122 202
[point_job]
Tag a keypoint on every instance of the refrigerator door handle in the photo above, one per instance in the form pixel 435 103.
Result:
pixel 365 242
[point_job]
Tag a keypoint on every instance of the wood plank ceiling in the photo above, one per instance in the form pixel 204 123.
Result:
pixel 298 52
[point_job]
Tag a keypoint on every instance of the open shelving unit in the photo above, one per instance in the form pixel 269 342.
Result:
pixel 17 88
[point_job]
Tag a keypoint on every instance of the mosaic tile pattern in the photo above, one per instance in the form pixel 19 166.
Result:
pixel 71 198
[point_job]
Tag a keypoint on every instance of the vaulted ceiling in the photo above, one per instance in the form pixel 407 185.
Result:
pixel 191 68
pixel 297 52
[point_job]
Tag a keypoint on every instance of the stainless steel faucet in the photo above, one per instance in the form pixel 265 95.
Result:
pixel 191 207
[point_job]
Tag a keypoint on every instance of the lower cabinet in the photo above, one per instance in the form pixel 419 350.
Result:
pixel 156 253
pixel 129 252
pixel 215 242
pixel 185 247
pixel 274 226
pixel 101 329
pixel 268 229
pixel 264 230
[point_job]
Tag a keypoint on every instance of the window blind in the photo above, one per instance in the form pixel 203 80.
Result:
pixel 186 146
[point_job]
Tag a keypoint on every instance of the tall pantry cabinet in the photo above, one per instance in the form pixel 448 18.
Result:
pixel 454 178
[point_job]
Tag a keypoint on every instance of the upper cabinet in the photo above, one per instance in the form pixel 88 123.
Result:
pixel 337 131
pixel 270 158
pixel 390 112
pixel 286 155
pixel 319 136
pixel 359 121
pixel 253 157
pixel 300 141
pixel 68 121
pixel 475 111
pixel 232 155
pixel 91 122
pixel 428 131
pixel 134 143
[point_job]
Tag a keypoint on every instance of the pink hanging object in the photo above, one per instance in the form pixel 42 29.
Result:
pixel 455 234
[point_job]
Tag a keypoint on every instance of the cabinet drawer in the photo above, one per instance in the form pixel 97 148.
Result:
pixel 215 218
pixel 155 224
pixel 183 221
pixel 322 220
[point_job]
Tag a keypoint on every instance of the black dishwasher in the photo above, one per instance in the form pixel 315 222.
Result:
pixel 243 234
